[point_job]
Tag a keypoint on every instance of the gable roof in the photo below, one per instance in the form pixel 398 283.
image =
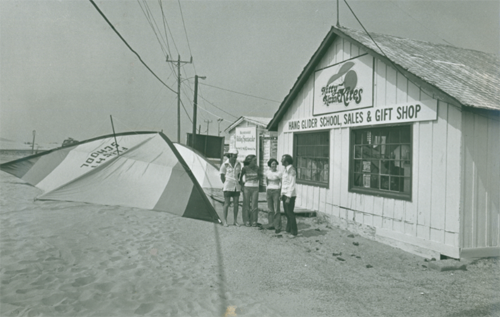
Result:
pixel 260 121
pixel 460 76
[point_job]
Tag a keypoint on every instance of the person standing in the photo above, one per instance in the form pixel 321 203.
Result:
pixel 252 177
pixel 273 190
pixel 230 172
pixel 288 194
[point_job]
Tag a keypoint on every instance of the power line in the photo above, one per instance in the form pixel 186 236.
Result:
pixel 376 44
pixel 383 53
pixel 240 93
pixel 218 107
pixel 184 24
pixel 138 56
pixel 432 31
pixel 165 25
pixel 150 19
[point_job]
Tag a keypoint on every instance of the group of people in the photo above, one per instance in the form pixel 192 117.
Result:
pixel 247 178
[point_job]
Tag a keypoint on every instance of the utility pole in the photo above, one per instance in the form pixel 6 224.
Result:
pixel 195 107
pixel 179 92
pixel 208 124
pixel 218 128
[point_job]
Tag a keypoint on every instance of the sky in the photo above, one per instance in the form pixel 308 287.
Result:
pixel 64 71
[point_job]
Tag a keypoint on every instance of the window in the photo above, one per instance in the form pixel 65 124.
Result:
pixel 381 161
pixel 312 158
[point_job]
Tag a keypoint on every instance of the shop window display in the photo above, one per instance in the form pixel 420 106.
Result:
pixel 381 161
pixel 312 157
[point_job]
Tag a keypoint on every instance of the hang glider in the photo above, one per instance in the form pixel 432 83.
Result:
pixel 145 170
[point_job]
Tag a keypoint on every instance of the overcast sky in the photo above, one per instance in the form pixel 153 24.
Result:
pixel 63 70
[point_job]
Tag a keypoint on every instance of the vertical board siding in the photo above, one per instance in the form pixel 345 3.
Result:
pixel 467 216
pixel 437 155
pixel 439 173
pixel 453 164
pixel 494 182
pixel 481 174
pixel 481 162
pixel 425 186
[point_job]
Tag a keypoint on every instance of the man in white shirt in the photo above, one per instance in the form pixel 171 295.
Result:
pixel 230 175
pixel 288 194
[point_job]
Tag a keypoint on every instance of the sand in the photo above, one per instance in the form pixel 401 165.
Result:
pixel 74 259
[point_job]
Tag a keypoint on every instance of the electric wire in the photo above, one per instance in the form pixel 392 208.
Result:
pixel 150 19
pixel 185 31
pixel 164 20
pixel 432 31
pixel 240 93
pixel 154 26
pixel 383 53
pixel 217 107
pixel 124 41
pixel 199 105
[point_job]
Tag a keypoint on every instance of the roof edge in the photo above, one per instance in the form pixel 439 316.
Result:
pixel 427 87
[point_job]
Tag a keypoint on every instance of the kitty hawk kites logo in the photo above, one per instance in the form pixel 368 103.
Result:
pixel 341 87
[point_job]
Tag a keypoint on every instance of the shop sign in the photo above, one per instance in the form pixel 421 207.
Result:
pixel 407 112
pixel 246 142
pixel 344 86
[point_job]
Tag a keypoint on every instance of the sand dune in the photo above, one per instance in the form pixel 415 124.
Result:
pixel 76 259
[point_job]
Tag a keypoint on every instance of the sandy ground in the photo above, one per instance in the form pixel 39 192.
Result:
pixel 73 259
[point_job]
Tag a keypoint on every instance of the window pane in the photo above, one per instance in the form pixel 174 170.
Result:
pixel 366 151
pixel 358 179
pixel 357 151
pixel 395 183
pixel 357 137
pixel 374 181
pixel 384 182
pixel 393 136
pixel 382 159
pixel 325 171
pixel 313 154
pixel 405 135
pixel 395 169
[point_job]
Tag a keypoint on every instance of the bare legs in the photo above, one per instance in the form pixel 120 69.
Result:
pixel 227 202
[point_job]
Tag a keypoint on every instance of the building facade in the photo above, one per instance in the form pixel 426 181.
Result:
pixel 398 141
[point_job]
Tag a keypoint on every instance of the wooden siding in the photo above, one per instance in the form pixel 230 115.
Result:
pixel 431 218
pixel 481 173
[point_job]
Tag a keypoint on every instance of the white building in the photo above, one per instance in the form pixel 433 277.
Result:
pixel 398 141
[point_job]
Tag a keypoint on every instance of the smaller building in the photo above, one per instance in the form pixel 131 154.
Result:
pixel 249 135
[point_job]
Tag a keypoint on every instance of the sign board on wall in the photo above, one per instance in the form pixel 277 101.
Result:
pixel 425 110
pixel 246 142
pixel 344 86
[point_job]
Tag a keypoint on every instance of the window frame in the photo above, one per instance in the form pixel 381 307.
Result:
pixel 295 159
pixel 379 192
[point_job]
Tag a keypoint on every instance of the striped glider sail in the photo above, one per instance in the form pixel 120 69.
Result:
pixel 145 171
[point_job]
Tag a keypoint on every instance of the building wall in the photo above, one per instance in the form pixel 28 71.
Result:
pixel 427 225
pixel 481 191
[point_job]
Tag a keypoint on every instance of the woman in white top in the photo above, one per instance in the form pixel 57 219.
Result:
pixel 273 190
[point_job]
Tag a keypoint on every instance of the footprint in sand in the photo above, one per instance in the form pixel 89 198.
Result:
pixel 81 281
pixel 53 299
pixel 104 287
pixel 144 308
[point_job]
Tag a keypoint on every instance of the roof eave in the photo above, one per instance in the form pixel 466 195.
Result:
pixel 303 77
pixel 432 90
